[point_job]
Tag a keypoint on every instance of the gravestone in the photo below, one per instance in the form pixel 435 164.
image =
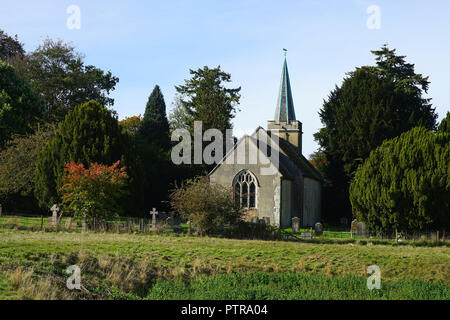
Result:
pixel 169 222
pixel 154 213
pixel 361 230
pixel 307 235
pixel 295 224
pixel 54 211
pixel 354 227
pixel 318 229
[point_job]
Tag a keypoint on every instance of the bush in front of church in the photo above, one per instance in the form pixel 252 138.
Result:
pixel 405 183
pixel 208 206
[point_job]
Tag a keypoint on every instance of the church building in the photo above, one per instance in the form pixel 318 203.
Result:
pixel 293 188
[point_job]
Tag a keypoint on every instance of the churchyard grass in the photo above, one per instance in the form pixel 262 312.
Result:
pixel 136 266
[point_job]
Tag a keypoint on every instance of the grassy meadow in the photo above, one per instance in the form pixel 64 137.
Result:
pixel 142 266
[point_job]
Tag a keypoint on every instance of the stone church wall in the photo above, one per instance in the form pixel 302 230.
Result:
pixel 268 192
pixel 312 199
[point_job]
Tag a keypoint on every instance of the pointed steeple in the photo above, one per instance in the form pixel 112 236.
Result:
pixel 285 106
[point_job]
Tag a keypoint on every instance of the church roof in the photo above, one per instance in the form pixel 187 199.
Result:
pixel 287 155
pixel 285 105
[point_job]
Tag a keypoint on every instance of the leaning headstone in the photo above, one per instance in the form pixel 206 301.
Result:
pixel 295 224
pixel 54 211
pixel 318 229
pixel 169 222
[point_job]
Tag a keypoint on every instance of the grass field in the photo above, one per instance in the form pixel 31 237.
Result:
pixel 136 266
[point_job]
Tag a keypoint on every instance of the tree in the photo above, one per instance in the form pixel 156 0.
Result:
pixel 405 183
pixel 10 47
pixel 154 146
pixel 132 124
pixel 59 74
pixel 17 165
pixel 20 107
pixel 444 126
pixel 206 99
pixel 155 126
pixel 208 206
pixel 179 118
pixel 18 159
pixel 373 103
pixel 93 192
pixel 90 133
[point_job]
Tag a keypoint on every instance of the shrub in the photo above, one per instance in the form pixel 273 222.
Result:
pixel 94 192
pixel 208 206
pixel 405 183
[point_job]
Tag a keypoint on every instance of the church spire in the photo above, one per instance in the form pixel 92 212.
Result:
pixel 285 106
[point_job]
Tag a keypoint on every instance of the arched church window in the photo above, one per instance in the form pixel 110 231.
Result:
pixel 245 189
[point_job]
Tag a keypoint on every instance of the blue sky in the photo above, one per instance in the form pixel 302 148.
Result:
pixel 156 42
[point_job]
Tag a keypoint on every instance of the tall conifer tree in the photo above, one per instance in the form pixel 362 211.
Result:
pixel 155 126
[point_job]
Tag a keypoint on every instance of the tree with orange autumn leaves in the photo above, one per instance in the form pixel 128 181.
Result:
pixel 93 192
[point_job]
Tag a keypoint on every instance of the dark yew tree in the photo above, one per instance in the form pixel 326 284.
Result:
pixel 90 133
pixel 373 103
pixel 155 126
pixel 444 126
pixel 405 183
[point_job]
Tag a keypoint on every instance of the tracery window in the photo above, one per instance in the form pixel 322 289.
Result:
pixel 245 189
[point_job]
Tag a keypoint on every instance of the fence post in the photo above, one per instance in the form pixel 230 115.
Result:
pixel 42 222
pixel 437 236
pixel 1 209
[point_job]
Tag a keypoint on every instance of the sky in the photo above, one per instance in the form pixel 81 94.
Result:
pixel 145 43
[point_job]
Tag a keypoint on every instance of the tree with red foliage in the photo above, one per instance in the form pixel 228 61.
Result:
pixel 93 192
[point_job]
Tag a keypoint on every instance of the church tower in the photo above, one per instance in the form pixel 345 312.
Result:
pixel 285 125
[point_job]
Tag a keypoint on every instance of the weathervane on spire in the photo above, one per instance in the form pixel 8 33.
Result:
pixel 285 51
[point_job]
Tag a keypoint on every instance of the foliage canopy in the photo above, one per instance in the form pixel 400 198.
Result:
pixel 405 183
